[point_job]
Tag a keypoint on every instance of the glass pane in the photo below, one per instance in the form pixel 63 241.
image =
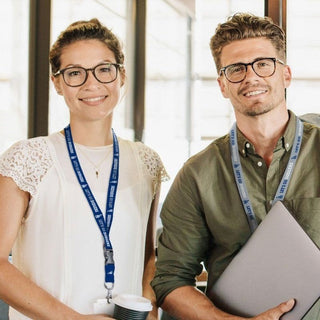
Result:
pixel 166 84
pixel 214 114
pixel 303 51
pixel 14 23
pixel 178 124
pixel 113 14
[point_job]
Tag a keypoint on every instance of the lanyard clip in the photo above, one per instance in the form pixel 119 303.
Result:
pixel 109 286
pixel 109 272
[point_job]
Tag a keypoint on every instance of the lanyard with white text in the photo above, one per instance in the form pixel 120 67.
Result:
pixel 238 173
pixel 104 225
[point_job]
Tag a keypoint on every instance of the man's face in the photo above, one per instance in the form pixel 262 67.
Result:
pixel 254 95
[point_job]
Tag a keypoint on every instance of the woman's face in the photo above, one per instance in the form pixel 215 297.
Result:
pixel 92 100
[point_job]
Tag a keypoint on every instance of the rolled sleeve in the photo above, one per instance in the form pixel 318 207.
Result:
pixel 185 239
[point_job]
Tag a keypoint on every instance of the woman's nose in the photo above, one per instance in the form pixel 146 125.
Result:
pixel 91 79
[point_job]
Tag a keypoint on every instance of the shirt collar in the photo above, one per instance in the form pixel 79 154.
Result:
pixel 285 142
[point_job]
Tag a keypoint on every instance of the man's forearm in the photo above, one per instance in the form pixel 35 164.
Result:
pixel 188 303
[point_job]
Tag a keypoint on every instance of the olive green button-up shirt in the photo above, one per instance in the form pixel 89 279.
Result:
pixel 203 217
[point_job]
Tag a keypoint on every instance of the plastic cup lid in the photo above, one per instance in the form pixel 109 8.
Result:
pixel 133 302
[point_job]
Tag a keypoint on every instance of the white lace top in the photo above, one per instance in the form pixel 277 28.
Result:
pixel 60 245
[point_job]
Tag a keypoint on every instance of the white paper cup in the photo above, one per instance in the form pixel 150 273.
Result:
pixel 101 306
pixel 129 306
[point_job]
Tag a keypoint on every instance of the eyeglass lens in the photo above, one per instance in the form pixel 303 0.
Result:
pixel 263 68
pixel 76 76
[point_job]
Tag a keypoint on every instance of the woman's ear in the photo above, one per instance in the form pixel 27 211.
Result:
pixel 57 85
pixel 123 76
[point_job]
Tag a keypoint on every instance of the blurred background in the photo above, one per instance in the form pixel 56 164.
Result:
pixel 172 101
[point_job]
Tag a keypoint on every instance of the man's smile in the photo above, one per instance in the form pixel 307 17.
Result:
pixel 254 93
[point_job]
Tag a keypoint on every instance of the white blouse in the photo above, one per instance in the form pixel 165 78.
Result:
pixel 59 245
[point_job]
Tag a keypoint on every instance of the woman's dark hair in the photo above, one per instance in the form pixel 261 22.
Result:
pixel 84 30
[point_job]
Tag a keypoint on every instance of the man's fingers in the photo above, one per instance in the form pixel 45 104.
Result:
pixel 284 308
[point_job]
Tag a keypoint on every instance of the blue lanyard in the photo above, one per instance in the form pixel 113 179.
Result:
pixel 104 225
pixel 239 177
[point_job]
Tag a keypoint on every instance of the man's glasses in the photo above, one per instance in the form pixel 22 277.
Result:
pixel 77 76
pixel 263 67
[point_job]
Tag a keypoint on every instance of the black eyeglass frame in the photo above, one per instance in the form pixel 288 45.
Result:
pixel 62 71
pixel 223 70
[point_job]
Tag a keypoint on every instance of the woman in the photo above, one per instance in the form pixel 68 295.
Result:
pixel 55 192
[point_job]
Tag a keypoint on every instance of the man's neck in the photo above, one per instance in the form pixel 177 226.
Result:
pixel 264 131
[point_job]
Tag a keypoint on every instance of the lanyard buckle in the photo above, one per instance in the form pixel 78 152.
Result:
pixel 108 255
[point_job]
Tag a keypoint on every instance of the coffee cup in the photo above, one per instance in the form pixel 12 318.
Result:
pixel 129 306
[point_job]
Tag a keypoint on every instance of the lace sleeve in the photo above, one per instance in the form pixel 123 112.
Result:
pixel 154 166
pixel 26 162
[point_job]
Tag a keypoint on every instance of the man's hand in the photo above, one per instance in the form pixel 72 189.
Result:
pixel 277 312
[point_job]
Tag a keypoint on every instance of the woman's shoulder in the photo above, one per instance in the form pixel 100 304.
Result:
pixel 26 162
pixel 145 152
pixel 147 155
pixel 27 148
pixel 149 159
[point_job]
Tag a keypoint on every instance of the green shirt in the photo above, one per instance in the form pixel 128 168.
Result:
pixel 203 218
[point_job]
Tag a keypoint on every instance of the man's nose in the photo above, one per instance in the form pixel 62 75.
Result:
pixel 250 73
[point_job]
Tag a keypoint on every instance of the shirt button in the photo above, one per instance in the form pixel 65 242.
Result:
pixel 243 151
pixel 259 164
pixel 248 145
pixel 287 145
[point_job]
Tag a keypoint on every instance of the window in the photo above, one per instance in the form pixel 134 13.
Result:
pixel 166 84
pixel 213 114
pixel 14 71
pixel 303 50
pixel 185 110
pixel 113 14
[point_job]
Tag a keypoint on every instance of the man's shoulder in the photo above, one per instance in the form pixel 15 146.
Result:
pixel 217 149
pixel 311 123
pixel 312 118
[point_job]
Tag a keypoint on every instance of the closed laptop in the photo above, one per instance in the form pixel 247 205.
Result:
pixel 278 262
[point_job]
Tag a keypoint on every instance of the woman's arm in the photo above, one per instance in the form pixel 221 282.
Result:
pixel 149 261
pixel 15 288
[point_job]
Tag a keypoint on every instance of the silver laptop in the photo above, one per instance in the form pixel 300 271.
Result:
pixel 278 262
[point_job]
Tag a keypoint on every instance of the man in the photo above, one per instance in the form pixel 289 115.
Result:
pixel 203 216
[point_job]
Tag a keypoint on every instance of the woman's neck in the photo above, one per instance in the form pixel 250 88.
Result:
pixel 92 134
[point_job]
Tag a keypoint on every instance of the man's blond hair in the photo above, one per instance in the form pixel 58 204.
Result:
pixel 246 26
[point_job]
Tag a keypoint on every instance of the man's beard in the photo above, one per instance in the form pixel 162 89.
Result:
pixel 258 111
